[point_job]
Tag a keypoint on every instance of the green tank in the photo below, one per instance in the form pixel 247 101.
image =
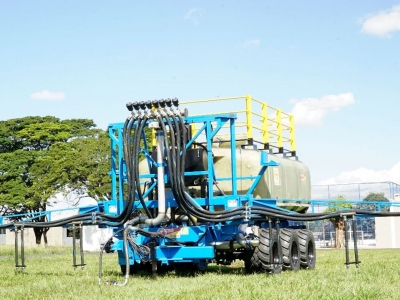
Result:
pixel 289 180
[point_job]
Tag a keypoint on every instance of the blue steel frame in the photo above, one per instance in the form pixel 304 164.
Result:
pixel 200 237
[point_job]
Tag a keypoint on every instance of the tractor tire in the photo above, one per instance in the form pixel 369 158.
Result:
pixel 290 249
pixel 258 260
pixel 308 254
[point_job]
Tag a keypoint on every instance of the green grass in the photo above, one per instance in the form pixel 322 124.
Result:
pixel 50 275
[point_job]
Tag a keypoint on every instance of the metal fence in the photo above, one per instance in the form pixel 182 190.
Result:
pixel 324 231
pixel 355 191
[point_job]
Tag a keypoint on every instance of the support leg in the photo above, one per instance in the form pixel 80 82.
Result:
pixel 19 229
pixel 16 249
pixel 355 241
pixel 346 241
pixel 81 247
pixel 74 246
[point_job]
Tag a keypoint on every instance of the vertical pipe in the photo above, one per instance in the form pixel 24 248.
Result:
pixel 113 164
pixel 16 247
pixel 346 241
pixel 233 157
pixel 160 180
pixel 73 246
pixel 292 135
pixel 22 248
pixel 121 172
pixel 279 129
pixel 249 120
pixel 210 165
pixel 81 247
pixel 354 221
pixel 265 132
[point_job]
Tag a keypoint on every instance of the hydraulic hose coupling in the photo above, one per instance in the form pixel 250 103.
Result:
pixel 134 113
pixel 149 111
pixel 166 107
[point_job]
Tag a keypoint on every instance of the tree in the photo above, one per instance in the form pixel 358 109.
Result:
pixel 375 197
pixel 338 223
pixel 27 157
pixel 368 224
pixel 84 164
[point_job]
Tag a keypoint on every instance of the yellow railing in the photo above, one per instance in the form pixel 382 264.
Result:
pixel 263 124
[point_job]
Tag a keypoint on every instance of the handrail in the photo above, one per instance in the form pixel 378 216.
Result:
pixel 264 124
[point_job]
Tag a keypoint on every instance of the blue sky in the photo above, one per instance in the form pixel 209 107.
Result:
pixel 334 64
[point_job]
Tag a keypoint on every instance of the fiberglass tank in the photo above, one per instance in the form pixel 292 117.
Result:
pixel 289 180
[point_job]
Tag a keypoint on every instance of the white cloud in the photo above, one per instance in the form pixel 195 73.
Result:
pixel 366 175
pixel 311 111
pixel 194 14
pixel 252 43
pixel 46 95
pixel 382 23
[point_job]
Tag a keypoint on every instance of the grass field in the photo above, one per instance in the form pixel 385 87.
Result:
pixel 50 275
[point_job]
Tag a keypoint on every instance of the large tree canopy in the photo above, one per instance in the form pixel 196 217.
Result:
pixel 41 156
pixel 39 133
pixel 80 166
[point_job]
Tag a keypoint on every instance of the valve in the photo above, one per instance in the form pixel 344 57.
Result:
pixel 168 102
pixel 156 103
pixel 148 104
pixel 129 106
pixel 136 105
pixel 161 102
pixel 142 105
pixel 170 107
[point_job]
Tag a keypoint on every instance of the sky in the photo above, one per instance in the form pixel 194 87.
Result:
pixel 334 64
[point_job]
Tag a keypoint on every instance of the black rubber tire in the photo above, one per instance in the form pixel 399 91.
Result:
pixel 308 254
pixel 290 249
pixel 257 260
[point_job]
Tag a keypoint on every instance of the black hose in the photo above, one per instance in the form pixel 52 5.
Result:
pixel 138 136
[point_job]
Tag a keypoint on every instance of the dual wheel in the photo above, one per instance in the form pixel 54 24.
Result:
pixel 294 250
